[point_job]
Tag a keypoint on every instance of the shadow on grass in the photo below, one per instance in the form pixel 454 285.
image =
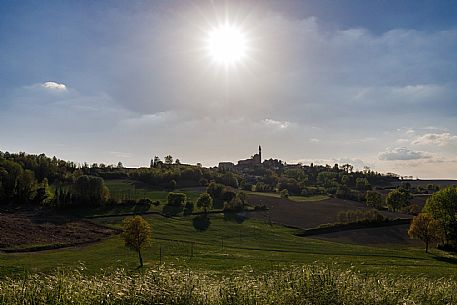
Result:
pixel 172 210
pixel 201 222
pixel 234 217
pixel 449 260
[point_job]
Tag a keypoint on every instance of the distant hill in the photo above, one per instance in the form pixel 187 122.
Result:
pixel 419 182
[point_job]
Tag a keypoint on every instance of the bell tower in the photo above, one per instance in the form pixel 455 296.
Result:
pixel 260 155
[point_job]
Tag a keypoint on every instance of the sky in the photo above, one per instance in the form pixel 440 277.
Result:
pixel 370 83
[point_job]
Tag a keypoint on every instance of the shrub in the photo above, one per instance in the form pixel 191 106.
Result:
pixel 145 201
pixel 176 199
pixel 352 216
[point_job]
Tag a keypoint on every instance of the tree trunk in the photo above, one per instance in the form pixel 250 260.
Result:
pixel 141 258
pixel 426 247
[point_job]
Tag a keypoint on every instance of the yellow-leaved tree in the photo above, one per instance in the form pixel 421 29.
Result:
pixel 425 228
pixel 137 234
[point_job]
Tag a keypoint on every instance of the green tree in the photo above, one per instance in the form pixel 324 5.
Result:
pixel 442 205
pixel 397 199
pixel 228 194
pixel 215 190
pixel 136 234
pixel 373 199
pixel 205 202
pixel 362 184
pixel 425 228
pixel 176 199
pixel 90 190
pixel 169 160
pixel 43 194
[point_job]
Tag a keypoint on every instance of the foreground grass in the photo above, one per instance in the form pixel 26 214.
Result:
pixel 165 285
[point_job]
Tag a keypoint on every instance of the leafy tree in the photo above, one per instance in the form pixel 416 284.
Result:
pixel 342 191
pixel 205 202
pixel 362 184
pixel 157 161
pixel 326 178
pixel 228 195
pixel 229 179
pixel 373 199
pixel 137 234
pixel 25 186
pixel 442 205
pixel 237 203
pixel 169 160
pixel 90 190
pixel 176 199
pixel 215 190
pixel 242 197
pixel 425 228
pixel 345 179
pixel 43 194
pixel 397 199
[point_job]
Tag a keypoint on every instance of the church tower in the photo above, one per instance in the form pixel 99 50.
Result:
pixel 260 155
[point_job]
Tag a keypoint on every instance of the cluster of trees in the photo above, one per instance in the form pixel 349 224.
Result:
pixel 438 220
pixel 352 216
pixel 19 185
pixel 25 179
pixel 340 181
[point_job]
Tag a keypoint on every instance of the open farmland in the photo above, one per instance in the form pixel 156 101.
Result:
pixel 306 214
pixel 35 230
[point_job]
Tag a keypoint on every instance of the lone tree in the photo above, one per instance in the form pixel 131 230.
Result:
pixel 425 228
pixel 205 202
pixel 137 234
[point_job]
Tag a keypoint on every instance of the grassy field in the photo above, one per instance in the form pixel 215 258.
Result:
pixel 127 189
pixel 228 247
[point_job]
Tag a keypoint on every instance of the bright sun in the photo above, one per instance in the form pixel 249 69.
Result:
pixel 227 44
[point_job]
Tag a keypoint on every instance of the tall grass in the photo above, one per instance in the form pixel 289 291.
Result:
pixel 166 285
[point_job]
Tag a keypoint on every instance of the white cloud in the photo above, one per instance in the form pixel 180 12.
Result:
pixel 402 141
pixel 145 120
pixel 440 139
pixel 402 154
pixel 277 124
pixel 54 86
